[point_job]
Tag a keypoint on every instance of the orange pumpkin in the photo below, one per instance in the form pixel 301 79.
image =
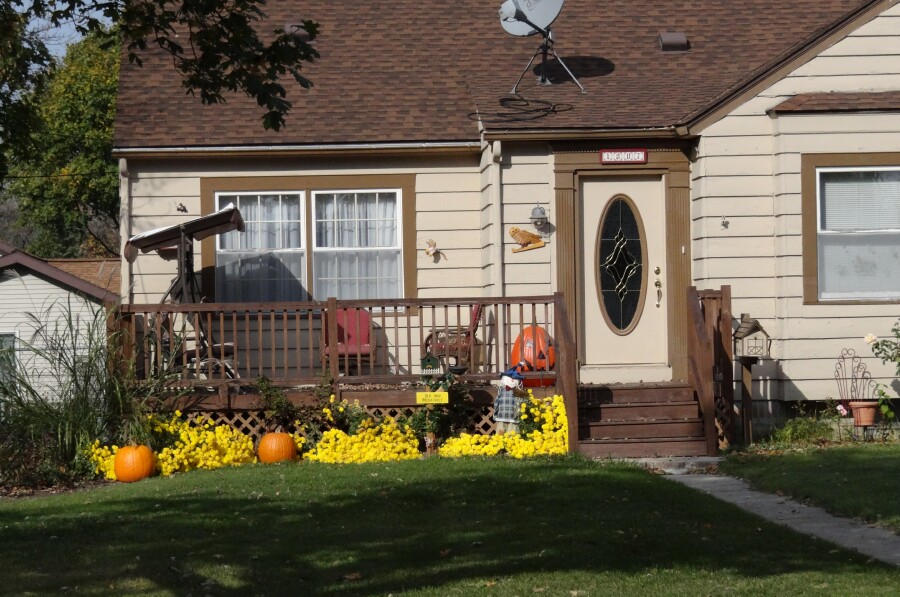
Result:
pixel 134 463
pixel 533 350
pixel 275 447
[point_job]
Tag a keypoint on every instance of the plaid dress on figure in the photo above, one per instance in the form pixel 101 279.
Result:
pixel 507 406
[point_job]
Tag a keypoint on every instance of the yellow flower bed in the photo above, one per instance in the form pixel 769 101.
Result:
pixel 371 443
pixel 549 435
pixel 198 444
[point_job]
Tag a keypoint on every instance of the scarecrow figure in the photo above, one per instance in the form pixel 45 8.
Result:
pixel 507 405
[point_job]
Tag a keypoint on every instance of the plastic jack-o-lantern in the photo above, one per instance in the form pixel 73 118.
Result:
pixel 134 463
pixel 275 447
pixel 533 350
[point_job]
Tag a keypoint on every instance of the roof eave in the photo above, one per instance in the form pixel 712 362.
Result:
pixel 669 132
pixel 44 269
pixel 311 150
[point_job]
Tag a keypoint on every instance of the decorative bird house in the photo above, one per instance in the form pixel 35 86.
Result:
pixel 750 339
pixel 431 365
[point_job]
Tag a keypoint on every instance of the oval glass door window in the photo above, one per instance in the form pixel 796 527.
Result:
pixel 621 272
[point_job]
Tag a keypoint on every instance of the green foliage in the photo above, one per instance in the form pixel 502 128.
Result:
pixel 279 411
pixel 805 428
pixel 64 179
pixel 23 58
pixel 443 420
pixel 67 388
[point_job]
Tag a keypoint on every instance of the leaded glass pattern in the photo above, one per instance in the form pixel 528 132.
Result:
pixel 620 263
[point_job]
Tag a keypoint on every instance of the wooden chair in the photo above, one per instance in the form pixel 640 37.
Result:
pixel 454 343
pixel 355 346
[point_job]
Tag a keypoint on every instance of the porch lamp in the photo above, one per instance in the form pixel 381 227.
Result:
pixel 538 217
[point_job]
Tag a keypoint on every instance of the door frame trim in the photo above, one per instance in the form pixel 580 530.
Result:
pixel 574 162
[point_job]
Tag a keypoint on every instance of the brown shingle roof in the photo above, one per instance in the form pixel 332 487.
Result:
pixel 841 102
pixel 104 273
pixel 414 71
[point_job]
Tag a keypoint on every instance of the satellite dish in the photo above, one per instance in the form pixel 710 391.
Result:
pixel 527 17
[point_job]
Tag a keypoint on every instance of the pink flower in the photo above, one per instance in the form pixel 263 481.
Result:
pixel 841 410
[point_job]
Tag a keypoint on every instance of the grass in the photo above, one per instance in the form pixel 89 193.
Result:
pixel 859 480
pixel 431 527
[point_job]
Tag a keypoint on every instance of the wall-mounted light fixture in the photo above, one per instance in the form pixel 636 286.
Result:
pixel 539 219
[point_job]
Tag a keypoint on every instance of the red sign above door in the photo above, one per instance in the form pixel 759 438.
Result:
pixel 623 156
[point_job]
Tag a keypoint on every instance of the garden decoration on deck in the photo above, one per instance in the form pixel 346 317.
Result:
pixel 507 405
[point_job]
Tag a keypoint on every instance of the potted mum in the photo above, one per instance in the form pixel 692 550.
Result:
pixel 276 444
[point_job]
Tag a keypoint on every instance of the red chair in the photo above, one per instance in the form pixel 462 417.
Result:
pixel 454 343
pixel 355 344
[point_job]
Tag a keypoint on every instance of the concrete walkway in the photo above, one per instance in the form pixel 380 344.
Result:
pixel 874 542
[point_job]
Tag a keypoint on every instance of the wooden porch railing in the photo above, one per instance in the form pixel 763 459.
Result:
pixel 710 355
pixel 214 344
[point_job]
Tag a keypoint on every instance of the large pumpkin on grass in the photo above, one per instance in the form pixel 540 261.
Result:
pixel 275 447
pixel 134 463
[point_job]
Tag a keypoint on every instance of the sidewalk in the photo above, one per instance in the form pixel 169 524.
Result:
pixel 874 542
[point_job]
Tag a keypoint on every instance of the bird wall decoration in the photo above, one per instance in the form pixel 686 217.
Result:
pixel 432 251
pixel 526 240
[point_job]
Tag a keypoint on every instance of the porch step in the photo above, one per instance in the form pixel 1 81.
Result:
pixel 656 428
pixel 639 421
pixel 639 411
pixel 643 448
pixel 598 395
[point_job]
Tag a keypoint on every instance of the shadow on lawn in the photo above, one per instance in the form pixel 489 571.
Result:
pixel 377 529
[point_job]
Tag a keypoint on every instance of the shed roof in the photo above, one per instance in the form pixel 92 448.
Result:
pixel 413 71
pixel 95 278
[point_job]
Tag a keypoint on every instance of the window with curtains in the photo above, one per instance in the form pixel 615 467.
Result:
pixel 858 233
pixel 267 262
pixel 354 251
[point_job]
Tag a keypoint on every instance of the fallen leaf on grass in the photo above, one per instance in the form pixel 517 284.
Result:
pixel 353 576
pixel 445 552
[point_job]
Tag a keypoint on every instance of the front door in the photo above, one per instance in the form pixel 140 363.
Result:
pixel 623 281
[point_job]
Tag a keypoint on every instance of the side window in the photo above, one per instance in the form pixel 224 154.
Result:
pixel 858 233
pixel 7 356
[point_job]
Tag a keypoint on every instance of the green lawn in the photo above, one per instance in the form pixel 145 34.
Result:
pixel 861 480
pixel 564 527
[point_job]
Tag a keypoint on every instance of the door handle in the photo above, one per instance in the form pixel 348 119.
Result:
pixel 658 284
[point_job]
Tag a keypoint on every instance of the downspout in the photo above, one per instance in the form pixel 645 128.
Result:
pixel 127 288
pixel 497 220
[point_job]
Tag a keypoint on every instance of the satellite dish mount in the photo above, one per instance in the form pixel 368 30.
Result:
pixel 523 18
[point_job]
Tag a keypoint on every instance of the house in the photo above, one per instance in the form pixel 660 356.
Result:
pixel 38 292
pixel 753 146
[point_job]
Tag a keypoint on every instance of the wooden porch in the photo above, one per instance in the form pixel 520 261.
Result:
pixel 372 351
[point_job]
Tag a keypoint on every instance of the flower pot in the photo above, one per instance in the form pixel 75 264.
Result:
pixel 864 412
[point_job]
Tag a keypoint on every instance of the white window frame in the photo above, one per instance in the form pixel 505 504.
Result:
pixel 877 296
pixel 314 248
pixel 304 245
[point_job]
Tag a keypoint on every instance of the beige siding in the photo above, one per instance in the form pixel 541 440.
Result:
pixel 449 202
pixel 527 172
pixel 748 171
pixel 28 302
